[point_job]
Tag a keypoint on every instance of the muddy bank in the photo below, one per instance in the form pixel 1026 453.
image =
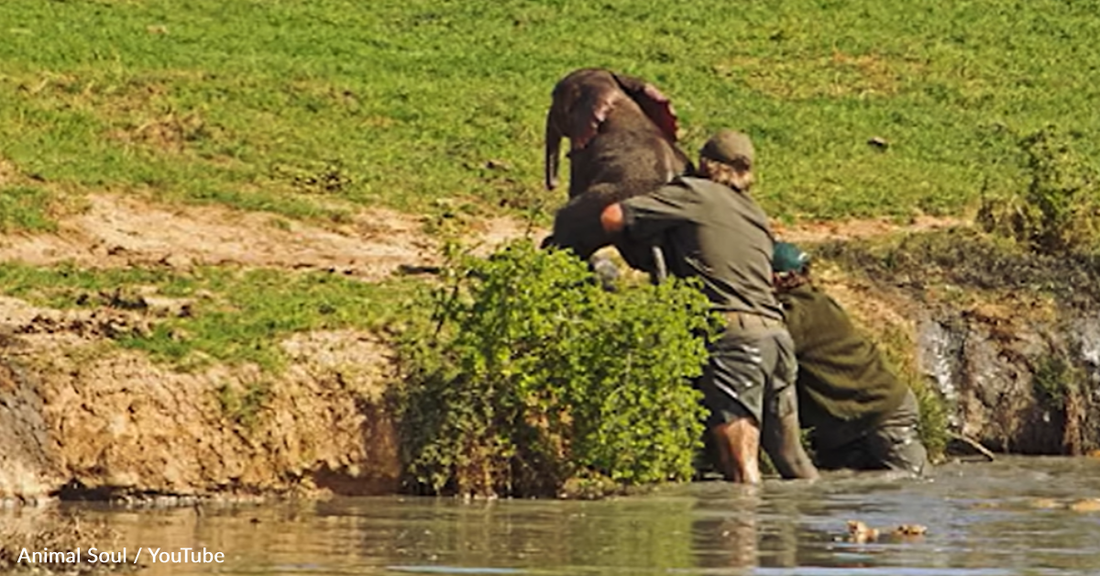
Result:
pixel 1009 342
pixel 89 420
pixel 1008 338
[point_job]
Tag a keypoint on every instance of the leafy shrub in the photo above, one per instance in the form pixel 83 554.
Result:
pixel 1060 208
pixel 529 375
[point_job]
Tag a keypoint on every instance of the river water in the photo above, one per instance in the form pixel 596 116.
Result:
pixel 1013 516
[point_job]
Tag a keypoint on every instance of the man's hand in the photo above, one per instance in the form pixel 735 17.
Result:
pixel 611 219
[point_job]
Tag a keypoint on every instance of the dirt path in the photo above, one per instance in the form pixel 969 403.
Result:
pixel 122 231
pixel 805 232
pixel 118 231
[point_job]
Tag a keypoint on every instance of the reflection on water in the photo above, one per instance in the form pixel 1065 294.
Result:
pixel 1008 517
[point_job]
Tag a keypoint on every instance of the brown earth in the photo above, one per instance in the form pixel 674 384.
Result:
pixel 120 231
pixel 86 415
pixel 99 421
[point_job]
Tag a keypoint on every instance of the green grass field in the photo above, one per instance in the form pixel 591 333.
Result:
pixel 313 109
pixel 278 105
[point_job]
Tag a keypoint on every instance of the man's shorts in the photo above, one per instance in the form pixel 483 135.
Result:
pixel 894 444
pixel 750 373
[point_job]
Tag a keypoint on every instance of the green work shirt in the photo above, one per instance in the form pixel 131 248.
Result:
pixel 841 373
pixel 712 232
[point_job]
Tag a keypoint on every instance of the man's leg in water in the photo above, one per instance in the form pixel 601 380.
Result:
pixel 782 437
pixel 738 444
pixel 738 387
pixel 782 440
pixel 895 443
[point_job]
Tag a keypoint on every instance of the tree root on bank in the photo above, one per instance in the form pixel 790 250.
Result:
pixel 973 444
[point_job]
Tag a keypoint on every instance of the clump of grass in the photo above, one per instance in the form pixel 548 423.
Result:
pixel 1057 208
pixel 1053 380
pixel 25 208
pixel 1061 386
pixel 243 404
pixel 970 259
pixel 898 346
pixel 234 316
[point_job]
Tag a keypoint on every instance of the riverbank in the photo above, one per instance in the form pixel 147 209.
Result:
pixel 205 236
pixel 98 408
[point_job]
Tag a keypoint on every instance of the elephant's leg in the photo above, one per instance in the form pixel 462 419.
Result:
pixel 605 270
pixel 639 257
pixel 577 225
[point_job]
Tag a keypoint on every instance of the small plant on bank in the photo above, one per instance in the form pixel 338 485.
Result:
pixel 897 345
pixel 529 376
pixel 1059 210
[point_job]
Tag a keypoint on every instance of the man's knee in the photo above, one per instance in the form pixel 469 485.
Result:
pixel 898 438
pixel 902 449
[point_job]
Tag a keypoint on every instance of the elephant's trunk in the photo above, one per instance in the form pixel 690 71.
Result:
pixel 553 149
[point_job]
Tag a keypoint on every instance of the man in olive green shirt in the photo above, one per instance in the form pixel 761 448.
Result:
pixel 861 416
pixel 709 228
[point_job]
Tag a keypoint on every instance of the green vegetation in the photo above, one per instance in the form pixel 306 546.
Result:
pixel 958 270
pixel 529 376
pixel 24 208
pixel 1061 385
pixel 231 316
pixel 288 106
pixel 1058 210
pixel 312 110
pixel 243 405
pixel 966 257
pixel 1054 380
pixel 898 347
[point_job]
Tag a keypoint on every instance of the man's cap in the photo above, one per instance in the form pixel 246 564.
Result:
pixel 788 258
pixel 729 147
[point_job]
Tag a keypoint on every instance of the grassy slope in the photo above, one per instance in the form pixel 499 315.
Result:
pixel 289 106
pixel 267 105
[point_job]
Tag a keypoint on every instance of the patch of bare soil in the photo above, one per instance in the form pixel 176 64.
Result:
pixel 122 231
pixel 8 172
pixel 813 232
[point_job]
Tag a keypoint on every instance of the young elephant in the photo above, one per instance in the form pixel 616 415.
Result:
pixel 622 134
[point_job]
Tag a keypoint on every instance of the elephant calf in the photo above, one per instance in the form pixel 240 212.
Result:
pixel 622 135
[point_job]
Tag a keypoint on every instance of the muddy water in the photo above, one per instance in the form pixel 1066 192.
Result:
pixel 1008 517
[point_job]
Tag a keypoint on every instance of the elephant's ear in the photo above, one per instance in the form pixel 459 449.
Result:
pixel 590 113
pixel 655 104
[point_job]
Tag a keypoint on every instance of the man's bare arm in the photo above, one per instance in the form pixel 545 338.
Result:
pixel 611 219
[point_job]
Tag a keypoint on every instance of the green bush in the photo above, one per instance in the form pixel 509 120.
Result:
pixel 529 375
pixel 1059 210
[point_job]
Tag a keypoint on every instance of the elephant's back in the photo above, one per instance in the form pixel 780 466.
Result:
pixel 634 155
